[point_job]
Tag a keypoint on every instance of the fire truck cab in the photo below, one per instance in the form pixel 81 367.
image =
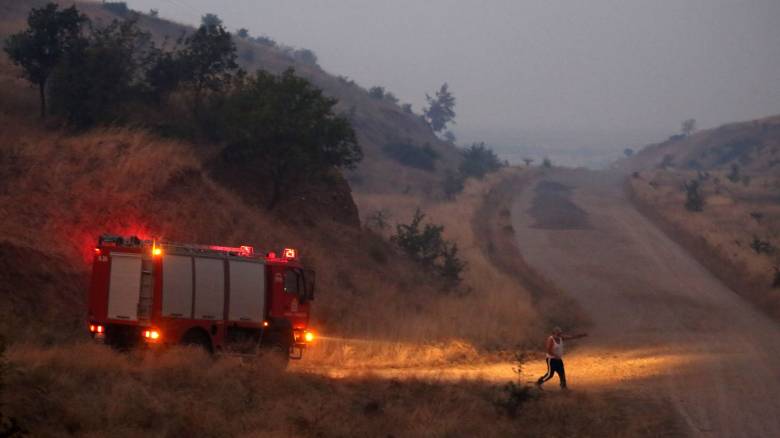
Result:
pixel 225 299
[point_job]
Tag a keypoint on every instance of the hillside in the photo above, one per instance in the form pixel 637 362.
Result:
pixel 753 146
pixel 378 122
pixel 718 193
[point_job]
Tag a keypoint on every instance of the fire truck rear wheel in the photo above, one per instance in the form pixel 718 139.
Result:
pixel 198 338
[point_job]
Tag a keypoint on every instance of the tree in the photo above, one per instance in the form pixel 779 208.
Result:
pixel 208 60
pixel 734 175
pixel 38 49
pixel 154 13
pixel 441 109
pixel 479 160
pixel 628 152
pixel 688 127
pixel 210 20
pixel 546 163
pixel 528 161
pixel 94 80
pixel 243 33
pixel 286 128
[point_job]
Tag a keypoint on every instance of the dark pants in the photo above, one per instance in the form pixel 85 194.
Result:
pixel 554 366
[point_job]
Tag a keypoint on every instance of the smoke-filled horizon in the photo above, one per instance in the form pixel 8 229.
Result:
pixel 611 71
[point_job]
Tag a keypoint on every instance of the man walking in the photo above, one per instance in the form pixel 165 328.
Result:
pixel 554 347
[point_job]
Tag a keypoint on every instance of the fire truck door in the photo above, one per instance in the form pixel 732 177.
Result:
pixel 124 286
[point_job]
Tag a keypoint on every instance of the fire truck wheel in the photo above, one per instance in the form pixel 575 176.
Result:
pixel 198 338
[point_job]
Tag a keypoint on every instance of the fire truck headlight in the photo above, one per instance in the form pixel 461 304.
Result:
pixel 152 335
pixel 308 336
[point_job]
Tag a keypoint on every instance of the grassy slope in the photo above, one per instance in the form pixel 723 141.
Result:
pixel 721 235
pixel 59 191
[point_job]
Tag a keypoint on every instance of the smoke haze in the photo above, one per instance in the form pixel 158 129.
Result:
pixel 595 75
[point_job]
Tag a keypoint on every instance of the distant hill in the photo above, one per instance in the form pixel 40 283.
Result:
pixel 378 122
pixel 754 146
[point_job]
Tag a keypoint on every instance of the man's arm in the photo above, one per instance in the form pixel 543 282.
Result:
pixel 549 345
pixel 577 336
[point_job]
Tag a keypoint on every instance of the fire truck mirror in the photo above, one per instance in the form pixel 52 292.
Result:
pixel 309 277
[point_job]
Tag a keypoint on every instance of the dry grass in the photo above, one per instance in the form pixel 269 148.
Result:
pixel 88 390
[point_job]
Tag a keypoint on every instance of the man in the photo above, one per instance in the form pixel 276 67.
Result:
pixel 554 347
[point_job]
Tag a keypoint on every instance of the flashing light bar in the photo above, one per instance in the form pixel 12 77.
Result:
pixel 244 250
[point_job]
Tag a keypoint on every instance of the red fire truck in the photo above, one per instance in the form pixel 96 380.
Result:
pixel 224 299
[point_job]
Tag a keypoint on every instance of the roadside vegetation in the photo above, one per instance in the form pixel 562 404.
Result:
pixel 716 191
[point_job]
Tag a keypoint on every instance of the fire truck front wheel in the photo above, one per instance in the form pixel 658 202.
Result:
pixel 198 338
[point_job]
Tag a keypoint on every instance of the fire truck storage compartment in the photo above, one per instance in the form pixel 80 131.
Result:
pixel 209 288
pixel 247 291
pixel 124 286
pixel 177 286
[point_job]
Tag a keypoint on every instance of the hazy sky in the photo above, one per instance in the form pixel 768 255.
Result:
pixel 518 66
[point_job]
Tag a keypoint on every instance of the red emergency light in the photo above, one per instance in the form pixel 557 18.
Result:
pixel 244 250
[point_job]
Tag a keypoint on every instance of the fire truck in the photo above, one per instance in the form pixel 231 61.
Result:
pixel 224 299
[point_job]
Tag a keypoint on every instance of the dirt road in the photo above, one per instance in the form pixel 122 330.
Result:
pixel 663 325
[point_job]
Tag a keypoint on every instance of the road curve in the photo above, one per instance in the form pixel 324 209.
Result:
pixel 663 325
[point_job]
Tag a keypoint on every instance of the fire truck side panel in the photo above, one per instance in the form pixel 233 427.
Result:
pixel 209 288
pixel 177 286
pixel 98 288
pixel 124 286
pixel 247 294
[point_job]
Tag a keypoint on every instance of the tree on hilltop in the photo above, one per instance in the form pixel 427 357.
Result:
pixel 441 109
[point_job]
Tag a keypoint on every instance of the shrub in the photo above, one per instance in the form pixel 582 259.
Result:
pixel 407 108
pixel 377 92
pixel 426 246
pixel 733 175
pixel 117 8
pixel 479 160
pixel 693 197
pixel 305 56
pixel 452 184
pixel 628 152
pixel 413 156
pixel 378 220
pixel 514 395
pixel 761 246
pixel 546 163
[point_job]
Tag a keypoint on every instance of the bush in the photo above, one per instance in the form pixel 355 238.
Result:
pixel 305 56
pixel 426 246
pixel 377 92
pixel 693 197
pixel 761 246
pixel 479 160
pixel 413 156
pixel 546 163
pixel 117 8
pixel 734 176
pixel 453 184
